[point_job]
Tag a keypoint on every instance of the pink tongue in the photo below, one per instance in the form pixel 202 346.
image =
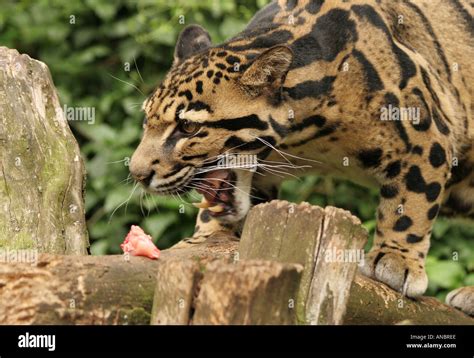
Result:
pixel 213 180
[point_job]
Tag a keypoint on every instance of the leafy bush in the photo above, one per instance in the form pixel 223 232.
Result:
pixel 109 55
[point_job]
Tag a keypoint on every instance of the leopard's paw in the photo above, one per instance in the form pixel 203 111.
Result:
pixel 402 274
pixel 462 299
pixel 190 241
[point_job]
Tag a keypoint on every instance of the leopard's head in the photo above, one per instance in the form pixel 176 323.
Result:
pixel 212 112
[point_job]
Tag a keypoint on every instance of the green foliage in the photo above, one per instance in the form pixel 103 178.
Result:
pixel 94 47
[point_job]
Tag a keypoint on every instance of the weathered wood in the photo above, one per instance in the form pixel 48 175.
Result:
pixel 77 290
pixel 41 170
pixel 111 290
pixel 371 302
pixel 248 292
pixel 327 242
pixel 176 285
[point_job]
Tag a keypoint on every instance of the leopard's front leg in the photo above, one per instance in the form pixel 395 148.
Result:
pixel 410 199
pixel 207 226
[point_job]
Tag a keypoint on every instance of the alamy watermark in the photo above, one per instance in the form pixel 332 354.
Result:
pixel 19 256
pixel 238 161
pixel 81 114
pixel 344 255
pixel 395 113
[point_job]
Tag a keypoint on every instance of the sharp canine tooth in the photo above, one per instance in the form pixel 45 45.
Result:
pixel 204 204
pixel 216 208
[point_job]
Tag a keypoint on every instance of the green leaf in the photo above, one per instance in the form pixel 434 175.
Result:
pixel 155 225
pixel 444 274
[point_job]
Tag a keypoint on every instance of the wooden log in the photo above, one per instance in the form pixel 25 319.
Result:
pixel 247 292
pixel 176 286
pixel 371 302
pixel 41 170
pixel 327 242
pixel 111 290
pixel 77 290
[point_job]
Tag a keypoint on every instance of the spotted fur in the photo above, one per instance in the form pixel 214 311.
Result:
pixel 310 78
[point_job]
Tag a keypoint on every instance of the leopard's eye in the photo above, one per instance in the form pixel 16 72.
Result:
pixel 188 127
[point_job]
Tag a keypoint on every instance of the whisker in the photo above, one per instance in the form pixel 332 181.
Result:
pixel 128 83
pixel 282 153
pixel 139 74
pixel 124 203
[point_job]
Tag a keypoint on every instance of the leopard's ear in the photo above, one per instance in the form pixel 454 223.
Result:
pixel 269 69
pixel 191 40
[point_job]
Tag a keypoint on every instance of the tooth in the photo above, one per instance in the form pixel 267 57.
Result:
pixel 216 208
pixel 204 204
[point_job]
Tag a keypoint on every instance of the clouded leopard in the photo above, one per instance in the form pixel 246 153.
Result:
pixel 309 81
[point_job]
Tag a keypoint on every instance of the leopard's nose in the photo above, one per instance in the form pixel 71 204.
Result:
pixel 143 178
pixel 141 172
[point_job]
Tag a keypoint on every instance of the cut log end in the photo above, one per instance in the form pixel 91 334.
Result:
pixel 41 170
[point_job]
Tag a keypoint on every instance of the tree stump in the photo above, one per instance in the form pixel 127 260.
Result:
pixel 41 170
pixel 327 242
pixel 247 292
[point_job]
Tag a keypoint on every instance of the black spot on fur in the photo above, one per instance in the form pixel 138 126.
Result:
pixel 240 144
pixel 235 124
pixel 311 88
pixel 187 94
pixel 232 60
pixel 437 155
pixel 316 120
pixel 413 239
pixel 279 129
pixel 406 65
pixel 372 78
pixel 199 87
pixel 291 4
pixel 264 41
pixel 199 106
pixel 210 73
pixel 425 122
pixel 433 211
pixel 389 191
pixel 437 45
pixel 391 99
pixel 416 183
pixel 314 6
pixel 323 132
pixel 393 169
pixel 465 15
pixel 192 157
pixel 402 224
pixel 432 191
pixel 370 158
pixel 417 150
pixel 331 34
pixel 414 180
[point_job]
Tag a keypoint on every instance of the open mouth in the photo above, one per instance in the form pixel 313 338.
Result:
pixel 217 188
